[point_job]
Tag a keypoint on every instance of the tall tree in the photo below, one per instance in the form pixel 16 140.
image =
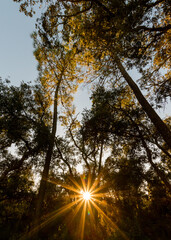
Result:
pixel 59 76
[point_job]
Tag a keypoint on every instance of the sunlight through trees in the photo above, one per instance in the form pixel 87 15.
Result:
pixel 121 143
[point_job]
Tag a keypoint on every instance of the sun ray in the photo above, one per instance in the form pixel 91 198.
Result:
pixel 96 182
pixel 82 222
pixel 99 188
pixel 92 219
pixel 66 186
pixel 76 210
pixel 72 196
pixel 102 203
pixel 75 182
pixel 51 217
pixel 113 225
pixel 89 181
pixel 98 195
pixel 83 183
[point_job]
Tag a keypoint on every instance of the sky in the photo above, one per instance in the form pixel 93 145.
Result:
pixel 16 49
pixel 17 62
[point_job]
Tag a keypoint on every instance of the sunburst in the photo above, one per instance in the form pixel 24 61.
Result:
pixel 85 196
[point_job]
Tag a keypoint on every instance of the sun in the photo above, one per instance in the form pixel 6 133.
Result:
pixel 86 195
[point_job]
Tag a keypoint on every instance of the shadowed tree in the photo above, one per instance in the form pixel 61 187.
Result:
pixel 25 120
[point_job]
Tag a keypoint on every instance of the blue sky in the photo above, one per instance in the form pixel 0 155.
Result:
pixel 16 51
pixel 16 48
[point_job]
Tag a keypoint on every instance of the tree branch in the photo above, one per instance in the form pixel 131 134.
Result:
pixel 64 160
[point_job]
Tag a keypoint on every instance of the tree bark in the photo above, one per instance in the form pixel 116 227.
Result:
pixel 154 117
pixel 43 183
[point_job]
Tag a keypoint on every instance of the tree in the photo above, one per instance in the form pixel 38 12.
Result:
pixel 121 119
pixel 59 76
pixel 127 128
pixel 24 125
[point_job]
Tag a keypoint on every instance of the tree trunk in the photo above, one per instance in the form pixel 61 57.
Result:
pixel 43 183
pixel 100 157
pixel 159 173
pixel 154 117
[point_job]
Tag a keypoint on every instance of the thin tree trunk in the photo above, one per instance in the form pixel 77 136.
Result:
pixel 154 117
pixel 43 183
pixel 100 157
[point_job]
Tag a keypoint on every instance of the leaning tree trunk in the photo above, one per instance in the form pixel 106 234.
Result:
pixel 43 183
pixel 154 117
pixel 159 173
